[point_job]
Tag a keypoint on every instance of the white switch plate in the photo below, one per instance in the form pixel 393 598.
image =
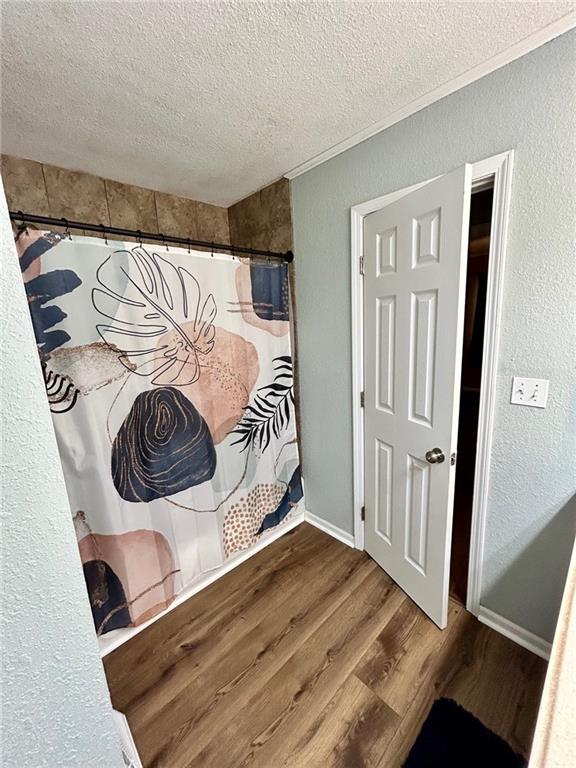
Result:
pixel 533 392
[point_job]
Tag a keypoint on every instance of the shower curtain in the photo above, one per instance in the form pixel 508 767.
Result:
pixel 169 377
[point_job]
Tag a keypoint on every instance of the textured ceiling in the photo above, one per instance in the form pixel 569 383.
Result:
pixel 213 100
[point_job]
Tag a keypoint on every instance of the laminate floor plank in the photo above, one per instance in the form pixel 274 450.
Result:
pixel 224 686
pixel 308 656
pixel 489 659
pixel 493 678
pixel 403 658
pixel 443 666
pixel 202 649
pixel 270 724
pixel 352 731
pixel 184 632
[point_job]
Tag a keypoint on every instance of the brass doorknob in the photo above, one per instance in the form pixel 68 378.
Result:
pixel 435 456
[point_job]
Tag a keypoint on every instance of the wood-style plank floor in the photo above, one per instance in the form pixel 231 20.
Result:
pixel 308 655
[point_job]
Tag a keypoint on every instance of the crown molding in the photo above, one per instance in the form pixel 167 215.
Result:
pixel 521 48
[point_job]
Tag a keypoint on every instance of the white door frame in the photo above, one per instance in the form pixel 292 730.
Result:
pixel 499 170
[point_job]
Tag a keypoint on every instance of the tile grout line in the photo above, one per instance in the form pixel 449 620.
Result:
pixel 107 201
pixel 50 212
pixel 156 210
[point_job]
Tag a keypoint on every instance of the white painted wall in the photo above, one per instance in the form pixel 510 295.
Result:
pixel 56 709
pixel 529 106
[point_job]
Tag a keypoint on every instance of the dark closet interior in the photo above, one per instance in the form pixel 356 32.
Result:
pixel 474 316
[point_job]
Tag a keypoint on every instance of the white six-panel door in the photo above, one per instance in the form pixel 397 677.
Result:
pixel 414 289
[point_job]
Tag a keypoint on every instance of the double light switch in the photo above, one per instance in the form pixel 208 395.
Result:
pixel 533 392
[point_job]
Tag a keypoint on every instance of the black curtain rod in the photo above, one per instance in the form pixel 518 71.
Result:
pixel 137 234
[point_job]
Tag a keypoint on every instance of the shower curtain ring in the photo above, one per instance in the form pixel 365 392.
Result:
pixel 66 228
pixel 188 245
pixel 164 241
pixel 104 235
pixel 212 250
pixel 23 226
pixel 139 233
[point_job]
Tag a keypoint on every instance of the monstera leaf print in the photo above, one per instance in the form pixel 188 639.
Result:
pixel 148 314
pixel 270 412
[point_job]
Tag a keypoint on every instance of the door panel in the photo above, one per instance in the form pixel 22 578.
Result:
pixel 386 319
pixel 423 306
pixel 414 290
pixel 383 511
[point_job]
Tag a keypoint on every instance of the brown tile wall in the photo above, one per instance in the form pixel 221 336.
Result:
pixel 263 220
pixel 49 191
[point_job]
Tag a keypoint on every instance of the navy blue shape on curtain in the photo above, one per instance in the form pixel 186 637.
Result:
pixel 292 496
pixel 38 247
pixel 270 291
pixel 164 446
pixel 107 597
pixel 45 288
pixel 40 291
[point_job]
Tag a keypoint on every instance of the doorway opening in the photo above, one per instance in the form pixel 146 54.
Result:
pixel 472 353
pixel 392 492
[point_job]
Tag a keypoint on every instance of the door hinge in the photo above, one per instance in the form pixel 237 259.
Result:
pixel 361 399
pixel 363 513
pixel 362 264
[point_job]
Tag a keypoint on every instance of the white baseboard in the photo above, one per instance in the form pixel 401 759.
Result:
pixel 112 640
pixel 330 529
pixel 512 631
pixel 129 751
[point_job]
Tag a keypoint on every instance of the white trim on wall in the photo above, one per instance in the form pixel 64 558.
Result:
pixel 521 48
pixel 514 632
pixel 357 304
pixel 498 168
pixel 112 640
pixel 329 528
pixel 129 751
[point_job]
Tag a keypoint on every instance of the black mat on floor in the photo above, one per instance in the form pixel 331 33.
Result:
pixel 453 738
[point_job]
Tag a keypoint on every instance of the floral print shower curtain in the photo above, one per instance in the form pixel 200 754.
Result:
pixel 169 377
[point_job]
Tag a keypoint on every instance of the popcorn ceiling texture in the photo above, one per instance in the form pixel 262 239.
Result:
pixel 527 106
pixel 56 707
pixel 214 100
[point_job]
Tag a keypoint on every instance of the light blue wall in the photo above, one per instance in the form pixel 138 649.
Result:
pixel 56 710
pixel 530 106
